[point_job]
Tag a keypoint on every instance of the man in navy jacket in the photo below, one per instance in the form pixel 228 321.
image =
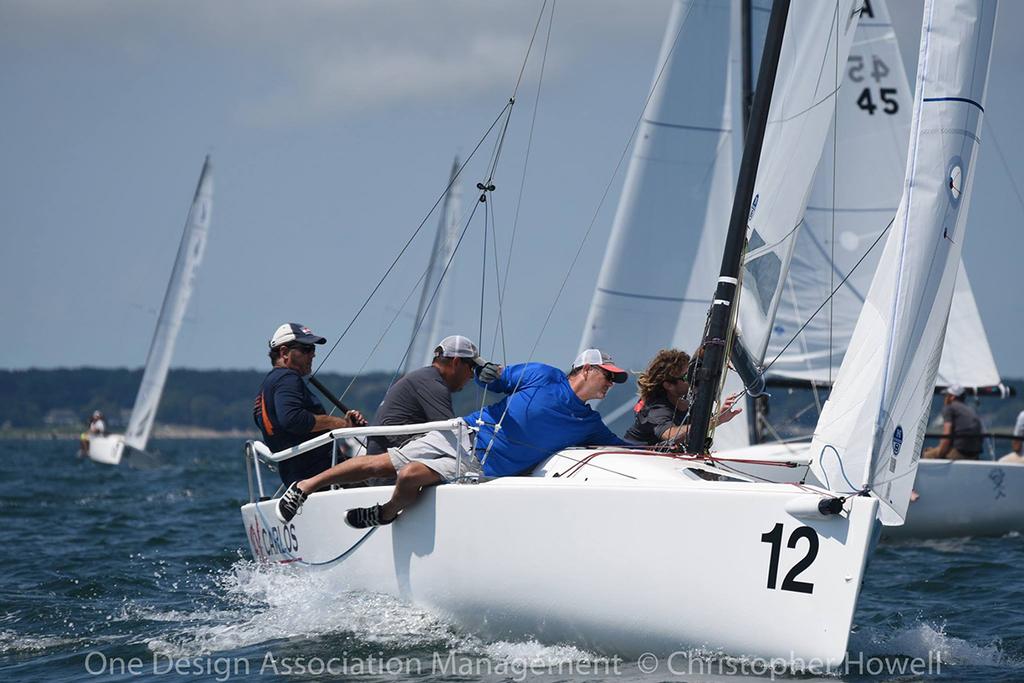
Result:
pixel 287 412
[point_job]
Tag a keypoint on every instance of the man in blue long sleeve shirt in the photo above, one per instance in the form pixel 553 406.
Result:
pixel 544 412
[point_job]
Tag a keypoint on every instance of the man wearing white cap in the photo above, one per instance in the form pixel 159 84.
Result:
pixel 961 429
pixel 287 412
pixel 543 412
pixel 425 394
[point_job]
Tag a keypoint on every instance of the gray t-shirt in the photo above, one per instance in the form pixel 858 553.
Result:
pixel 420 396
pixel 966 427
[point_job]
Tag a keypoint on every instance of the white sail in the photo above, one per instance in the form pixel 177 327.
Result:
pixel 427 325
pixel 172 312
pixel 966 355
pixel 683 143
pixel 854 197
pixel 818 37
pixel 872 427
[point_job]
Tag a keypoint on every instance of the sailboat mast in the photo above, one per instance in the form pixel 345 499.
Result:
pixel 714 348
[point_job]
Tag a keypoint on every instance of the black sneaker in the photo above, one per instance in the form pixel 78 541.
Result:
pixel 288 505
pixel 361 518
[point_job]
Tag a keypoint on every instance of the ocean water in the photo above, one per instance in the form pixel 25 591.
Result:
pixel 143 573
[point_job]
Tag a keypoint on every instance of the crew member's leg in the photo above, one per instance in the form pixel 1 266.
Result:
pixel 352 470
pixel 411 479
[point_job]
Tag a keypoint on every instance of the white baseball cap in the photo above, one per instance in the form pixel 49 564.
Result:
pixel 294 332
pixel 457 346
pixel 601 360
pixel 955 390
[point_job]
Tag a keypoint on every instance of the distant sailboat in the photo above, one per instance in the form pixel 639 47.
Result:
pixel 110 449
pixel 429 319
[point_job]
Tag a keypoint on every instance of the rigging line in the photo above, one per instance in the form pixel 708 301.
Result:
pixel 499 326
pixel 533 37
pixel 390 268
pixel 506 111
pixel 832 245
pixel 483 274
pixel 380 340
pixel 836 289
pixel 597 211
pixel 526 160
pixel 1002 159
pixel 440 280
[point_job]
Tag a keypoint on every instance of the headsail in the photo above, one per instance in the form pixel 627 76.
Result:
pixel 172 312
pixel 872 427
pixel 430 311
pixel 854 197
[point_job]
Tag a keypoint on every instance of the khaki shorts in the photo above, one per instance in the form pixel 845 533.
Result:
pixel 439 451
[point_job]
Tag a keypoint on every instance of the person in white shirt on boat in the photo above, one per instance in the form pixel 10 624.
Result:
pixel 1018 440
pixel 97 427
pixel 663 407
pixel 961 429
pixel 544 411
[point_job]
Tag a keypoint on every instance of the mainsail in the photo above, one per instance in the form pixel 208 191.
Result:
pixel 172 312
pixel 817 40
pixel 427 325
pixel 854 197
pixel 871 429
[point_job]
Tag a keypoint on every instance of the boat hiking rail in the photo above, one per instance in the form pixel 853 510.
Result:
pixel 257 451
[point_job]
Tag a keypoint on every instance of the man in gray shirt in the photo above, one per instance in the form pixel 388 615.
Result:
pixel 425 395
pixel 961 429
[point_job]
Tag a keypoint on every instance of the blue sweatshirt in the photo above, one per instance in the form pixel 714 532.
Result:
pixel 544 416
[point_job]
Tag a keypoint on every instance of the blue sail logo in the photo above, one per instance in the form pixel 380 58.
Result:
pixel 897 440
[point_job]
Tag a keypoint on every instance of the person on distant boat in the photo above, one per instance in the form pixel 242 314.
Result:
pixel 544 411
pixel 425 394
pixel 286 411
pixel 1018 440
pixel 662 411
pixel 961 429
pixel 97 427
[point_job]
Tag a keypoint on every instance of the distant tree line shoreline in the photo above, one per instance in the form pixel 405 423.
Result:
pixel 61 400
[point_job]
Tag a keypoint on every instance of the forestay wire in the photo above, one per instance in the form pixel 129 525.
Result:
pixel 593 220
pixel 506 114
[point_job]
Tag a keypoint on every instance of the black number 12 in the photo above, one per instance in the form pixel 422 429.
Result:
pixel 774 537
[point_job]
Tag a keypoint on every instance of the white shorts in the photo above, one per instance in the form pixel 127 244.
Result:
pixel 439 451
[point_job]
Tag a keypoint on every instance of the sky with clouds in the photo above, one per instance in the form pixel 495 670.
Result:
pixel 331 127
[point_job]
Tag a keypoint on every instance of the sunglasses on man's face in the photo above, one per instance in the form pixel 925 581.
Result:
pixel 305 348
pixel 608 376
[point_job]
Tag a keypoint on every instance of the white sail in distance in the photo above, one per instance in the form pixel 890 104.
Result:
pixel 172 312
pixel 871 429
pixel 427 325
pixel 853 199
pixel 685 133
pixel 817 41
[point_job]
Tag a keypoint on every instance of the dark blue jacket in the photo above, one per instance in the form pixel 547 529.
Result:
pixel 284 412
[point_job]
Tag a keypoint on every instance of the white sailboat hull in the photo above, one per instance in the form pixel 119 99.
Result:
pixel 964 498
pixel 107 449
pixel 608 562
pixel 957 498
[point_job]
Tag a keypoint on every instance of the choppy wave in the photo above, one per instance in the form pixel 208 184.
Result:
pixel 924 640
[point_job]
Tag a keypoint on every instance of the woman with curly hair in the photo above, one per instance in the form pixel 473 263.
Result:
pixel 662 409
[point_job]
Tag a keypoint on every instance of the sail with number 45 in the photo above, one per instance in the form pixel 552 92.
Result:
pixel 871 429
pixel 853 201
